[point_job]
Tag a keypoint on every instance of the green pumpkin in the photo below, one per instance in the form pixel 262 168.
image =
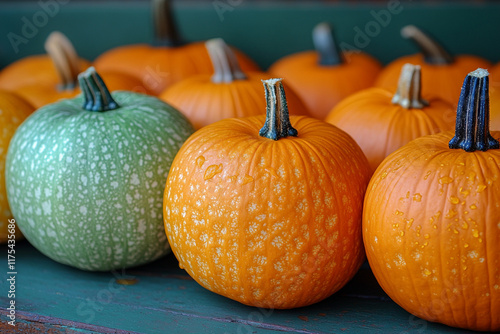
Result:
pixel 85 184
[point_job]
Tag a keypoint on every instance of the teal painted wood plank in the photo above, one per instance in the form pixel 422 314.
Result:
pixel 265 31
pixel 166 297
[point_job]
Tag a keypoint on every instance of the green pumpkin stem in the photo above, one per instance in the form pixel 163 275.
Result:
pixel 95 93
pixel 472 131
pixel 166 32
pixel 433 52
pixel 324 43
pixel 224 61
pixel 408 93
pixel 277 123
pixel 65 59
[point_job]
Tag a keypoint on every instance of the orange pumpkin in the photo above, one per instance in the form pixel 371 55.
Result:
pixel 495 97
pixel 205 99
pixel 319 77
pixel 442 73
pixel 269 217
pixel 431 220
pixel 55 74
pixel 382 122
pixel 13 111
pixel 158 67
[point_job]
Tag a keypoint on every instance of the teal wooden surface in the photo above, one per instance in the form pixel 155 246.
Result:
pixel 56 298
pixel 265 31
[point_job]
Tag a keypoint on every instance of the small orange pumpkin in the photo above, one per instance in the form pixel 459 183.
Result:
pixel 269 217
pixel 319 77
pixel 495 97
pixel 431 220
pixel 205 99
pixel 158 67
pixel 442 72
pixel 55 74
pixel 382 122
pixel 13 111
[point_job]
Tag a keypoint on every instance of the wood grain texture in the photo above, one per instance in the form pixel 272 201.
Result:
pixel 54 298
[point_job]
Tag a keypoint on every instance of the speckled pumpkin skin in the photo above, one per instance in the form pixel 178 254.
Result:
pixel 86 188
pixel 272 224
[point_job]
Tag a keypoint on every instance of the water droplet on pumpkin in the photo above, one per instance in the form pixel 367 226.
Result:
pixel 212 170
pixel 471 176
pixel 465 225
pixel 409 222
pixel 417 197
pixel 465 192
pixel 475 233
pixel 384 175
pixel 445 180
pixel 466 245
pixel 247 179
pixel 402 233
pixel 464 267
pixel 427 272
pixel 480 188
pixel 398 213
pixel 427 175
pixel 427 236
pixel 200 161
pixel 454 200
pixel 473 207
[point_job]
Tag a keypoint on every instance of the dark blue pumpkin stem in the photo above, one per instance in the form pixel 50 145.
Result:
pixel 277 123
pixel 472 131
pixel 166 33
pixel 325 45
pixel 95 93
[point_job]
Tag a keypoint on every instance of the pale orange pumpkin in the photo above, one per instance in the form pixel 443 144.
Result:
pixel 320 76
pixel 431 220
pixel 382 121
pixel 13 111
pixel 268 216
pixel 442 73
pixel 55 74
pixel 228 92
pixel 158 67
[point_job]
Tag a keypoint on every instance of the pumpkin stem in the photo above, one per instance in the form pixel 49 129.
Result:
pixel 65 59
pixel 433 52
pixel 166 32
pixel 472 131
pixel 224 61
pixel 95 93
pixel 408 94
pixel 277 123
pixel 324 43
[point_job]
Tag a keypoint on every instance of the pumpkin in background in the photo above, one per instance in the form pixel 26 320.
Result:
pixel 442 73
pixel 431 220
pixel 85 176
pixel 320 76
pixel 158 67
pixel 269 217
pixel 495 97
pixel 47 78
pixel 205 99
pixel 13 111
pixel 381 121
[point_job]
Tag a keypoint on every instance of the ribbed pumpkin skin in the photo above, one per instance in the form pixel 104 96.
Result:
pixel 273 224
pixel 204 102
pixel 495 98
pixel 32 70
pixel 13 110
pixel 86 188
pixel 159 67
pixel 438 81
pixel 432 234
pixel 322 87
pixel 380 127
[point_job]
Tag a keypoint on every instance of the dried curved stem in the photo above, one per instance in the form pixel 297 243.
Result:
pixel 65 59
pixel 325 45
pixel 164 23
pixel 432 51
pixel 408 93
pixel 224 61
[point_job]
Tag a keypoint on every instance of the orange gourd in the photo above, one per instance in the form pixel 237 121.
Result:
pixel 159 66
pixel 431 220
pixel 47 78
pixel 205 99
pixel 13 111
pixel 442 73
pixel 268 216
pixel 319 77
pixel 381 121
